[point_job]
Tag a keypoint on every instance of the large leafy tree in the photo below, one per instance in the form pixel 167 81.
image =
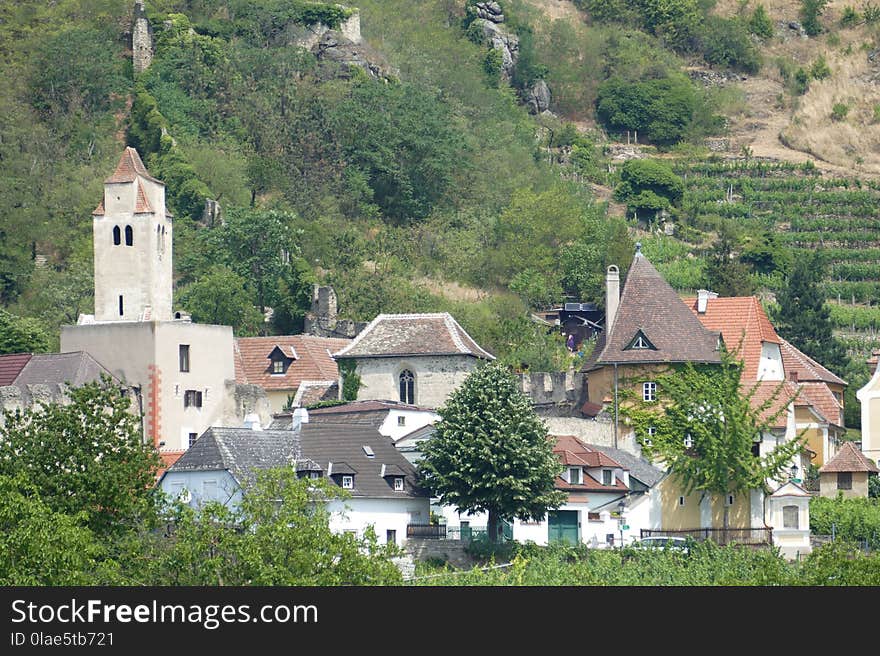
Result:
pixel 727 274
pixel 21 334
pixel 220 297
pixel 86 457
pixel 490 452
pixel 705 424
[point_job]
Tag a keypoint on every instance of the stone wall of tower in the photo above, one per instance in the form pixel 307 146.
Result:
pixel 139 274
pixel 141 39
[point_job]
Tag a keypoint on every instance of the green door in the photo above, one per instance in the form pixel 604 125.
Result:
pixel 563 526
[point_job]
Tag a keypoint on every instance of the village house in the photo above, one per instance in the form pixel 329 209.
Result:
pixel 294 370
pixel 183 372
pixel 846 473
pixel 381 483
pixel 815 392
pixel 417 359
pixel 391 418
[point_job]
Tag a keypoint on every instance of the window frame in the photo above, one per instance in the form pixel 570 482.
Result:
pixel 192 398
pixel 649 391
pixel 575 480
pixel 398 484
pixel 607 477
pixel 129 236
pixel 844 480
pixel 347 478
pixel 408 394
pixel 183 357
pixel 117 235
pixel 278 367
pixel 797 517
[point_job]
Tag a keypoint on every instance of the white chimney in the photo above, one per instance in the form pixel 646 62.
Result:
pixel 612 293
pixel 703 296
pixel 252 421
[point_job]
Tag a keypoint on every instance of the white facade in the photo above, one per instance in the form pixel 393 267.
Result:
pixel 403 422
pixel 147 355
pixel 355 514
pixel 869 397
pixel 770 365
pixel 789 515
pixel 436 377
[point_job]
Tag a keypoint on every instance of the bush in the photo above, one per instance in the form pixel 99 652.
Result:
pixel 850 17
pixel 493 64
pixel 760 24
pixel 856 520
pixel 820 70
pixel 809 13
pixel 726 42
pixel 661 109
pixel 638 176
pixel 839 112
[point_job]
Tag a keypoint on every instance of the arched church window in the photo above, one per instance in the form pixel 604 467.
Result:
pixel 407 386
pixel 129 236
pixel 117 236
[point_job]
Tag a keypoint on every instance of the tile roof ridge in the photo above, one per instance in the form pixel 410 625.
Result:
pixel 360 336
pixel 451 325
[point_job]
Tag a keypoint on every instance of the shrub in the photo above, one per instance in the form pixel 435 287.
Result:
pixel 801 81
pixel 839 112
pixel 760 24
pixel 809 13
pixel 493 64
pixel 726 42
pixel 849 17
pixel 820 70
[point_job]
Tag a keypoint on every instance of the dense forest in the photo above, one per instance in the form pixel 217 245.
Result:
pixel 418 174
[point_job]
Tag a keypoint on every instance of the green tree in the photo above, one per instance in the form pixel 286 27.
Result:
pixel 84 457
pixel 809 12
pixel 660 109
pixel 705 425
pixel 760 24
pixel 22 335
pixel 279 535
pixel 727 274
pixel 39 546
pixel 649 184
pixel 490 452
pixel 220 297
pixel 726 42
pixel 802 316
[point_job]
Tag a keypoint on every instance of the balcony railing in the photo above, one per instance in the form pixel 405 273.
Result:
pixel 426 531
pixel 745 536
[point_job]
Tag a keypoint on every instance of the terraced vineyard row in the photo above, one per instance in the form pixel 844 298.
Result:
pixel 841 216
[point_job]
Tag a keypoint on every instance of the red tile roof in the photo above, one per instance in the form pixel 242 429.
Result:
pixel 413 334
pixel 743 325
pixel 648 304
pixel 168 458
pixel 572 452
pixel 142 205
pixel 805 367
pixel 777 395
pixel 130 166
pixel 313 360
pixel 11 366
pixel 99 210
pixel 823 401
pixel 849 459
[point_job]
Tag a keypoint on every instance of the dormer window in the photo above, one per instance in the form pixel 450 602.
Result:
pixel 607 477
pixel 639 343
pixel 398 484
pixel 348 482
pixel 574 475
pixel 280 361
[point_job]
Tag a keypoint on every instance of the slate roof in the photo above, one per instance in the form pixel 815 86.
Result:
pixel 419 434
pixel 572 452
pixel 849 459
pixel 650 305
pixel 313 360
pixel 413 334
pixel 240 451
pixel 11 366
pixel 366 406
pixel 75 369
pixel 639 468
pixel 807 369
pixel 343 443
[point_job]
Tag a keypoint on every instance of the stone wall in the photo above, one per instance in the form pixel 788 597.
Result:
pixel 560 387
pixel 435 377
pixel 450 551
pixel 141 39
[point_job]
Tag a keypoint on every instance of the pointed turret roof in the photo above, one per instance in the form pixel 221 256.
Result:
pixel 130 166
pixel 648 304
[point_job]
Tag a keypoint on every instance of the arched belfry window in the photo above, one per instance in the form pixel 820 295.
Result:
pixel 117 236
pixel 407 386
pixel 129 236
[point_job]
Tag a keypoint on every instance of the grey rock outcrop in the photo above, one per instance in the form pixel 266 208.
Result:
pixel 502 40
pixel 538 98
pixel 490 11
pixel 336 48
pixel 141 39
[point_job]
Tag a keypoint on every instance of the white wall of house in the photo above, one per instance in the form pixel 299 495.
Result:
pixel 435 377
pixel 411 420
pixel 869 397
pixel 770 365
pixel 203 486
pixel 357 514
pixel 792 542
pixel 146 354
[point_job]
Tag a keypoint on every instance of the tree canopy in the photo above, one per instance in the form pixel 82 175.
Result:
pixel 490 452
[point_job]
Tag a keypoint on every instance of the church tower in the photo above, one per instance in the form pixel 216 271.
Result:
pixel 132 240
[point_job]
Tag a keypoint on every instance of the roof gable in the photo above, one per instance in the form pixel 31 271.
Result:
pixel 11 366
pixel 849 459
pixel 413 334
pixel 640 341
pixel 650 305
pixel 311 360
pixel 129 167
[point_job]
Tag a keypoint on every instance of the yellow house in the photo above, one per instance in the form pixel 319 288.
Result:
pixel 846 473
